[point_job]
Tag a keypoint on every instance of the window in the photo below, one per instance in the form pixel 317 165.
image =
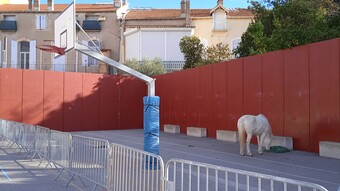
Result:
pixel 24 54
pixel 92 17
pixel 9 18
pixel 220 20
pixel 40 22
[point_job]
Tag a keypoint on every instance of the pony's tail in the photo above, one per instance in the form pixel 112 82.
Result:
pixel 241 135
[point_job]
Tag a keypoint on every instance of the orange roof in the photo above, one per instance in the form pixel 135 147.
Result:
pixel 165 14
pixel 59 7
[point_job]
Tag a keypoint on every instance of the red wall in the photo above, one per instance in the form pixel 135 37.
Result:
pixel 297 89
pixel 71 101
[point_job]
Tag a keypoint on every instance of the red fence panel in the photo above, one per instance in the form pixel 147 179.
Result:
pixel 11 94
pixel 164 100
pixel 132 92
pixel 32 108
pixel 252 85
pixel 109 103
pixel 234 93
pixel 73 101
pixel 205 100
pixel 192 92
pixel 324 93
pixel 272 90
pixel 182 100
pixel 91 95
pixel 53 100
pixel 219 96
pixel 296 96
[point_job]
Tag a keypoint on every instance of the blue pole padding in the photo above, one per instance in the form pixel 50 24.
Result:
pixel 151 124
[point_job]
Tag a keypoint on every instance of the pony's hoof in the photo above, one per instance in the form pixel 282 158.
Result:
pixel 242 154
pixel 250 154
pixel 260 153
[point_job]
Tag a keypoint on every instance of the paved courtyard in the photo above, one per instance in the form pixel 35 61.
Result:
pixel 18 173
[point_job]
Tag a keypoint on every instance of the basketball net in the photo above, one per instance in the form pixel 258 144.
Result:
pixel 51 48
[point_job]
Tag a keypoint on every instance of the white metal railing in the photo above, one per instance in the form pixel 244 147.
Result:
pixel 133 169
pixel 189 175
pixel 120 168
pixel 60 150
pixel 89 159
pixel 42 143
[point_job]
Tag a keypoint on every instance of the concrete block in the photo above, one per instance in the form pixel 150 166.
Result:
pixel 329 149
pixel 172 128
pixel 229 136
pixel 196 132
pixel 282 141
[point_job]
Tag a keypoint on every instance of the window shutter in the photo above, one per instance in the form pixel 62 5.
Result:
pixel 14 54
pixel 220 20
pixel 84 57
pixel 37 21
pixel 43 22
pixel 33 54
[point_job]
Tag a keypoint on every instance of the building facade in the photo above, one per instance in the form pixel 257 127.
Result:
pixel 151 33
pixel 24 26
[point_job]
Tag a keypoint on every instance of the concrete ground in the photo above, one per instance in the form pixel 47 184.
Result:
pixel 18 173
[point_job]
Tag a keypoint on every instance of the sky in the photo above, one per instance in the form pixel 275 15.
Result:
pixel 195 4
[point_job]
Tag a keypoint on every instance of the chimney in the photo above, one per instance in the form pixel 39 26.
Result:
pixel 187 16
pixel 50 5
pixel 183 4
pixel 219 2
pixel 30 5
pixel 36 5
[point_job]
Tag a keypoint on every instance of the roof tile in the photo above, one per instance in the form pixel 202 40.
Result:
pixel 162 14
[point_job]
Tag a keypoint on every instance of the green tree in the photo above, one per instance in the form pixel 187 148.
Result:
pixel 149 67
pixel 192 49
pixel 281 24
pixel 216 53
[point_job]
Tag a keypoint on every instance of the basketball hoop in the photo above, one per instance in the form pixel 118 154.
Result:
pixel 51 48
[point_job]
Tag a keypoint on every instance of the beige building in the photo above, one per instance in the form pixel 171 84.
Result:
pixel 23 26
pixel 220 24
pixel 151 33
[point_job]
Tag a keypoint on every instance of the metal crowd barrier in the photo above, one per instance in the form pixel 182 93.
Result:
pixel 89 159
pixel 189 175
pixel 41 144
pixel 121 168
pixel 60 150
pixel 132 169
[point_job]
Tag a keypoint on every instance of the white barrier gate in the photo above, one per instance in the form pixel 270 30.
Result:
pixel 133 169
pixel 89 159
pixel 189 175
pixel 60 150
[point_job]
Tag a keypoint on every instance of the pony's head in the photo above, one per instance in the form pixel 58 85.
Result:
pixel 267 141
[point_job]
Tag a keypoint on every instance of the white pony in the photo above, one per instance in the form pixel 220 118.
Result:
pixel 254 125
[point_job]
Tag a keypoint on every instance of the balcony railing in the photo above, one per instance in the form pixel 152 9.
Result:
pixel 8 25
pixel 92 25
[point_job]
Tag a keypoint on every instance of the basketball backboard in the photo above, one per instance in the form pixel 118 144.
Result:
pixel 65 29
